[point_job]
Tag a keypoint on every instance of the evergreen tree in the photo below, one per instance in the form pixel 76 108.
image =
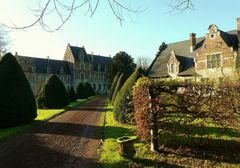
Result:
pixel 72 95
pixel 81 91
pixel 53 94
pixel 114 83
pixel 89 89
pixel 17 102
pixel 117 88
pixel 123 108
pixel 123 63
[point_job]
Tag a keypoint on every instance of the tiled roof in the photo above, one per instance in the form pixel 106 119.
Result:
pixel 158 68
pixel 96 59
pixel 42 64
pixel 76 51
pixel 100 59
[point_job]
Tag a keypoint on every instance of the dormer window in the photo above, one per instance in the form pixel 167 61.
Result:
pixel 48 69
pixel 173 68
pixel 33 68
pixel 61 71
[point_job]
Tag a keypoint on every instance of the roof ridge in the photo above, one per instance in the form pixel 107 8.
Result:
pixel 27 57
pixel 231 32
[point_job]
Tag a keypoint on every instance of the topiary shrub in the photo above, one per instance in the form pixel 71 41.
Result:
pixel 123 108
pixel 72 95
pixel 89 90
pixel 113 86
pixel 17 102
pixel 81 91
pixel 53 94
pixel 118 87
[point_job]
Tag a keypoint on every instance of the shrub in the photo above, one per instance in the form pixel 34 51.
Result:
pixel 81 91
pixel 163 105
pixel 17 102
pixel 72 95
pixel 89 90
pixel 123 105
pixel 113 86
pixel 53 94
pixel 117 88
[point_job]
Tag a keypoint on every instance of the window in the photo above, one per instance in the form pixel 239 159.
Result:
pixel 213 61
pixel 82 66
pixel 99 87
pixel 82 76
pixel 173 68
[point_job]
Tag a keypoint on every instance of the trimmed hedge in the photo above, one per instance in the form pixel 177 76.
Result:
pixel 17 102
pixel 123 105
pixel 53 94
pixel 72 95
pixel 81 91
pixel 118 87
pixel 89 90
pixel 113 86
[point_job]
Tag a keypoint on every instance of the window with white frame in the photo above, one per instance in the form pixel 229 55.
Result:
pixel 213 61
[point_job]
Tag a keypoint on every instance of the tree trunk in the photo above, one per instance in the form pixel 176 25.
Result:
pixel 154 136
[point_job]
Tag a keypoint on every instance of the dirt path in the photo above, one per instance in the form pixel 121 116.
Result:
pixel 67 141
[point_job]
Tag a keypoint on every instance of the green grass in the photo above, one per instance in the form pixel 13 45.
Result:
pixel 207 145
pixel 42 115
pixel 113 130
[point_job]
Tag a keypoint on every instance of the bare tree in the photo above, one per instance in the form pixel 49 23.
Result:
pixel 63 10
pixel 3 41
pixel 143 62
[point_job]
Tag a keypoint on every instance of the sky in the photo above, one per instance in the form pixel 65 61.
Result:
pixel 102 34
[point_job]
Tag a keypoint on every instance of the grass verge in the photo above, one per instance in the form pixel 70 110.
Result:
pixel 42 115
pixel 110 158
pixel 208 146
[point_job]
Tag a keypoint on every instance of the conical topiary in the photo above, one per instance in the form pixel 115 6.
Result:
pixel 81 91
pixel 89 89
pixel 72 95
pixel 123 108
pixel 17 102
pixel 117 87
pixel 113 86
pixel 53 94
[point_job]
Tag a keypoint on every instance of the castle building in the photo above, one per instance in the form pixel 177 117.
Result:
pixel 77 66
pixel 212 57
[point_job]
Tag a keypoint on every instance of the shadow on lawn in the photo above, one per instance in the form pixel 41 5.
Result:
pixel 201 131
pixel 206 143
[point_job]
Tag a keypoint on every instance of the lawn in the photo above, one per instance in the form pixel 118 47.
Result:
pixel 110 156
pixel 205 146
pixel 42 115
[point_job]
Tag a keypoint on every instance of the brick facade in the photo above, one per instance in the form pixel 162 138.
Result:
pixel 212 57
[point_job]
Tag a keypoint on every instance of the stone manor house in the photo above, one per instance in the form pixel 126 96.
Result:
pixel 212 57
pixel 77 66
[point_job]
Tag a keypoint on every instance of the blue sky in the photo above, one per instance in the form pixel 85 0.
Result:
pixel 102 34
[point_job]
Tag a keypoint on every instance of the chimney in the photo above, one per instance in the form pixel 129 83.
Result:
pixel 192 40
pixel 238 30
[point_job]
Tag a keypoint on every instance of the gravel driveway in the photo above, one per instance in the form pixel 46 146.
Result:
pixel 67 141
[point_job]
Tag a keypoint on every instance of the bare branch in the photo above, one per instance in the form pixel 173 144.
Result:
pixel 179 6
pixel 64 10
